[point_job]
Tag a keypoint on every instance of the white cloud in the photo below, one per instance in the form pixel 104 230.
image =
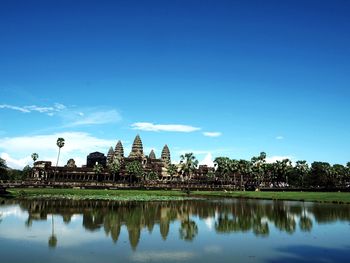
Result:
pixel 279 138
pixel 17 150
pixel 162 256
pixel 71 116
pixel 212 134
pixel 148 126
pixel 33 108
pixel 16 163
pixel 98 117
pixel 11 107
pixel 208 160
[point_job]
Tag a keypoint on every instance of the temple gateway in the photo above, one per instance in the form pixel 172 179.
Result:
pixel 115 167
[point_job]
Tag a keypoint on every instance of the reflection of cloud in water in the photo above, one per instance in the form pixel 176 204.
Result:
pixel 148 256
pixel 68 235
pixel 213 249
pixel 14 211
pixel 209 222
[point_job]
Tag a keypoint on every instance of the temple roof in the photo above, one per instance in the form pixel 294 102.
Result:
pixel 110 155
pixel 166 154
pixel 119 150
pixel 152 155
pixel 137 148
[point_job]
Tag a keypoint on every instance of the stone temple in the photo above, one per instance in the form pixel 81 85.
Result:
pixel 150 163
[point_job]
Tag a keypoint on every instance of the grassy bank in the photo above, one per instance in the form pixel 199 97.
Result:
pixel 162 195
pixel 95 194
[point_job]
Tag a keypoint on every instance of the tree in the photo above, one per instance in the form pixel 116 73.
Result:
pixel 27 170
pixel 339 174
pixel 321 175
pixel 98 168
pixel 281 170
pixel 302 169
pixel 222 165
pixel 3 170
pixel 188 165
pixel 258 164
pixel 114 167
pixel 35 157
pixel 134 169
pixel 244 169
pixel 172 170
pixel 60 143
pixel 234 168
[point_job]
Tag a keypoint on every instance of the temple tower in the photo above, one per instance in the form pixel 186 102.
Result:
pixel 166 155
pixel 152 155
pixel 119 150
pixel 137 148
pixel 110 156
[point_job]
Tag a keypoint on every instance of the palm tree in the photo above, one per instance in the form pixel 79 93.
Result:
pixel 303 169
pixel 234 168
pixel 60 144
pixel 97 170
pixel 114 167
pixel 189 164
pixel 258 167
pixel 222 167
pixel 172 170
pixel 244 169
pixel 35 157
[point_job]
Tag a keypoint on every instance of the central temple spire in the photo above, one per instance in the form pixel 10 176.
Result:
pixel 137 148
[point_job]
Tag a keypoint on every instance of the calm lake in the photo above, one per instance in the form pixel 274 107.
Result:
pixel 215 230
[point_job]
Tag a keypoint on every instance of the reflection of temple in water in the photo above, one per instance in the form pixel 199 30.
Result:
pixel 230 217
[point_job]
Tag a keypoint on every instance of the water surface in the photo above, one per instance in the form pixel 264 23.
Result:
pixel 224 230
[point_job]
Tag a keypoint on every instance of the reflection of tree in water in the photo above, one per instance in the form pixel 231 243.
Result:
pixel 230 216
pixel 305 222
pixel 52 239
pixel 188 230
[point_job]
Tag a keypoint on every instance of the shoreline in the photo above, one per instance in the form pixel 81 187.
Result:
pixel 173 195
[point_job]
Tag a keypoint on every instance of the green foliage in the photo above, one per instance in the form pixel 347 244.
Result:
pixel 114 167
pixel 134 170
pixel 3 170
pixel 188 164
pixel 321 175
pixel 172 169
pixel 60 143
pixel 35 156
pixel 152 176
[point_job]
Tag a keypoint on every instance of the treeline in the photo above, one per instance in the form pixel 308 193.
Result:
pixel 7 173
pixel 258 173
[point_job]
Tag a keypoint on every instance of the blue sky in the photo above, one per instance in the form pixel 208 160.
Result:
pixel 257 76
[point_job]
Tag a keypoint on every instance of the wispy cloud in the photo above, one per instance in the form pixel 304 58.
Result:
pixel 71 116
pixel 279 137
pixel 148 126
pixel 212 134
pixel 93 118
pixel 33 108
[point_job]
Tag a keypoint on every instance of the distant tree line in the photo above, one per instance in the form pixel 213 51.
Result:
pixel 241 174
pixel 282 173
